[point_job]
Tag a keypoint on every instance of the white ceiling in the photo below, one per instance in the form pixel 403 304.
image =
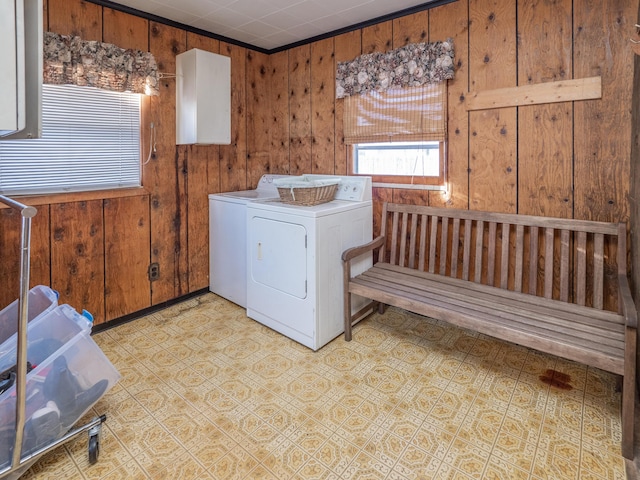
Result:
pixel 270 24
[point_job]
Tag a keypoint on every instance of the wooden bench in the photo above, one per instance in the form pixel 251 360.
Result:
pixel 555 285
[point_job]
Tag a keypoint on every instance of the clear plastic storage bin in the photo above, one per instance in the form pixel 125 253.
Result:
pixel 41 301
pixel 68 374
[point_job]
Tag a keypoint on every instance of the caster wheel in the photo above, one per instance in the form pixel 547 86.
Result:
pixel 94 449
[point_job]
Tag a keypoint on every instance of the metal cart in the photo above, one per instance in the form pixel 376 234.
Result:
pixel 19 463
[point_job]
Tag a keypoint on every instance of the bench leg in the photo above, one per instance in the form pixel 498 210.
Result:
pixel 347 315
pixel 629 395
pixel 381 308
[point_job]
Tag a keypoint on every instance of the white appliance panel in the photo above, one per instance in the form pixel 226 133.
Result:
pixel 330 228
pixel 228 250
pixel 278 256
pixel 228 238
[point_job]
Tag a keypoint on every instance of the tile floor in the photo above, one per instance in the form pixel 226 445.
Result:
pixel 207 393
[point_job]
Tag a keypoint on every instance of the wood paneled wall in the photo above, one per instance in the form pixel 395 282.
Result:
pixel 570 160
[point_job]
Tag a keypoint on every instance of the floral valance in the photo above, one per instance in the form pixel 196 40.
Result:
pixel 409 66
pixel 68 60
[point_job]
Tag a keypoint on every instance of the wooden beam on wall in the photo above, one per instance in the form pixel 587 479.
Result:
pixel 537 94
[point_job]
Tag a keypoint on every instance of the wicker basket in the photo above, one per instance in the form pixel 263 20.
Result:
pixel 306 192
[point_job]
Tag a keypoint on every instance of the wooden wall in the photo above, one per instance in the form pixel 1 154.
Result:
pixel 569 160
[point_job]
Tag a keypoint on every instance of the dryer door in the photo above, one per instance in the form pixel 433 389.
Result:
pixel 278 255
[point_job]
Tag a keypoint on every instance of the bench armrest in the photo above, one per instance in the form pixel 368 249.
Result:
pixel 357 251
pixel 627 304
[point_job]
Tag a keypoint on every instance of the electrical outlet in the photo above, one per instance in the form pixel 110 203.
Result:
pixel 154 271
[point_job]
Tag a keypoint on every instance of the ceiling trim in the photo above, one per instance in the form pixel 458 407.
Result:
pixel 356 26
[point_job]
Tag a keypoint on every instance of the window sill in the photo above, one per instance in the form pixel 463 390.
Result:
pixel 409 186
pixel 50 199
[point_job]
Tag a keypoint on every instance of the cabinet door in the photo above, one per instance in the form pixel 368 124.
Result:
pixel 278 255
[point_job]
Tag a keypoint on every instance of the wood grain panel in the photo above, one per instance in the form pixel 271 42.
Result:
pixel 77 256
pixel 127 253
pixel 493 148
pixel 323 106
pixel 165 175
pixel 233 158
pixel 545 147
pixel 40 260
pixel 75 17
pixel 602 137
pixel 411 29
pixel 347 47
pixel 202 163
pixel 125 30
pixel 45 15
pixel 300 109
pixel 378 37
pixel 258 158
pixel 279 112
pixel 451 20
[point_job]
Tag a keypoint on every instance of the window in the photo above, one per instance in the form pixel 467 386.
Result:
pixel 398 136
pixel 90 141
pixel 395 162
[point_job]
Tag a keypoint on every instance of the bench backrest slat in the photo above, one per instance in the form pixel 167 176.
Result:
pixel 433 243
pixel 598 269
pixel 548 262
pixel 423 243
pixel 581 274
pixel 568 260
pixel 564 265
pixel 478 265
pixel 504 258
pixel 413 241
pixel 491 254
pixel 533 259
pixel 455 245
pixel 519 258
pixel 466 249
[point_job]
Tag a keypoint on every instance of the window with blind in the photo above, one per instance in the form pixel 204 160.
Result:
pixel 90 141
pixel 398 136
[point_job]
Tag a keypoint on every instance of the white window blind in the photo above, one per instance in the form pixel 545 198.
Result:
pixel 90 141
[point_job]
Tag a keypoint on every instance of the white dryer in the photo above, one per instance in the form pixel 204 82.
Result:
pixel 294 264
pixel 228 238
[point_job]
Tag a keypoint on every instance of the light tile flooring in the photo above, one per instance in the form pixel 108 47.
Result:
pixel 207 393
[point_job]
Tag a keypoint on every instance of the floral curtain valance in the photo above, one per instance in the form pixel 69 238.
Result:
pixel 409 66
pixel 69 60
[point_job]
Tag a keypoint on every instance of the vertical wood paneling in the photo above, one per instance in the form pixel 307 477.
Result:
pixel 279 112
pixel 451 21
pixel 258 158
pixel 233 158
pixel 405 30
pixel 492 64
pixel 348 46
pixel 202 163
pixel 545 146
pixel 127 254
pixel 602 137
pixel 323 107
pixel 125 30
pixel 165 175
pixel 77 256
pixel 75 17
pixel 10 238
pixel 378 37
pixel 300 109
pixel 45 15
pixel 411 29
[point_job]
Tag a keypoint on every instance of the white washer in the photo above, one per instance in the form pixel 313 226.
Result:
pixel 228 238
pixel 294 264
